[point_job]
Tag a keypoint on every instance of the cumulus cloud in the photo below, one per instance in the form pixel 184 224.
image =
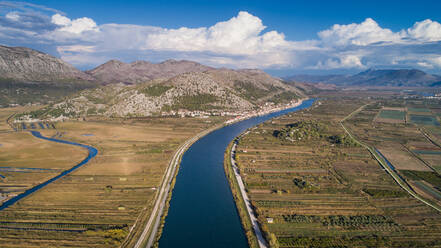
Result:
pixel 360 34
pixel 426 30
pixel 241 41
pixel 76 26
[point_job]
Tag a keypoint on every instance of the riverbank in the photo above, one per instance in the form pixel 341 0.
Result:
pixel 202 210
pixel 247 224
pixel 153 229
pixel 265 111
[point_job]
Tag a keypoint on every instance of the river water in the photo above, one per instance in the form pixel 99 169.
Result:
pixel 202 210
pixel 92 153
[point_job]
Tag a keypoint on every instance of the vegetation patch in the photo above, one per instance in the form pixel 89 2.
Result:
pixel 418 110
pixel 195 102
pixel 312 130
pixel 302 130
pixel 424 120
pixel 155 90
pixel 284 97
pixel 334 241
pixel 392 114
pixel 384 193
pixel 428 176
pixel 249 91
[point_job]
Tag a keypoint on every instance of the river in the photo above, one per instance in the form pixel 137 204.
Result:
pixel 202 210
pixel 92 153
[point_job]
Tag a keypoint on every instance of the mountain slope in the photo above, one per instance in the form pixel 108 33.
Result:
pixel 28 65
pixel 29 76
pixel 115 71
pixel 372 77
pixel 213 91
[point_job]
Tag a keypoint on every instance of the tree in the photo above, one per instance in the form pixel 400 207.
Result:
pixel 273 241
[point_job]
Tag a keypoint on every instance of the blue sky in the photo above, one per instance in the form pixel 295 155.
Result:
pixel 282 37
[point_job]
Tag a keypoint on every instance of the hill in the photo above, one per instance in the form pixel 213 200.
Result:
pixel 213 91
pixel 30 76
pixel 373 77
pixel 115 71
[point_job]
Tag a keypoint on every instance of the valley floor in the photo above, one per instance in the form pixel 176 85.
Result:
pixel 312 186
pixel 98 204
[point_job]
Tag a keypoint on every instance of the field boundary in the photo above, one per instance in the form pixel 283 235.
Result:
pixel 383 162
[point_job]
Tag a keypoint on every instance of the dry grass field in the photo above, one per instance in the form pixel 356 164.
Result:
pixel 321 190
pixel 96 205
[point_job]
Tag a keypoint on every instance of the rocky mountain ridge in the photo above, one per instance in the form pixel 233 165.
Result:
pixel 28 65
pixel 115 71
pixel 210 92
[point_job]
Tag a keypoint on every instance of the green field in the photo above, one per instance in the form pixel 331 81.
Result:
pixel 418 110
pixel 392 114
pixel 424 120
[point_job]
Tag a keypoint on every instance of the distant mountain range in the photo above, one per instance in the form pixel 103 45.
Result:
pixel 374 77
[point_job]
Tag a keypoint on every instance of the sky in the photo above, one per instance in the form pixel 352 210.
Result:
pixel 280 37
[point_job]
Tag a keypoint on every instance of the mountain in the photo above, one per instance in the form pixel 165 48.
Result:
pixel 29 76
pixel 373 77
pixel 115 71
pixel 213 91
pixel 140 88
pixel 27 65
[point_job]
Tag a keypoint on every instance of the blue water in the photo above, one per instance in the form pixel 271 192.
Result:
pixel 92 153
pixel 385 159
pixel 202 211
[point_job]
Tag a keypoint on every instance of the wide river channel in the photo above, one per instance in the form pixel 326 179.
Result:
pixel 202 210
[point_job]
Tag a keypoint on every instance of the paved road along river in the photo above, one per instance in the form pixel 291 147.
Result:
pixel 202 210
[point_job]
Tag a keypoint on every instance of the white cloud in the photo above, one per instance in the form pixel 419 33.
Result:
pixel 241 41
pixel 365 33
pixel 76 26
pixel 426 30
pixel 60 20
pixel 344 61
pixel 241 35
pixel 434 61
pixel 13 16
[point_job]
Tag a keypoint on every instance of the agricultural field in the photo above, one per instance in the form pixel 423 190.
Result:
pixel 418 110
pixel 411 148
pixel 312 186
pixel 391 116
pixel 424 120
pixel 98 204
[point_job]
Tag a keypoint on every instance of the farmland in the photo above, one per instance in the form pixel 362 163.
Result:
pixel 96 205
pixel 312 187
pixel 424 120
pixel 388 115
